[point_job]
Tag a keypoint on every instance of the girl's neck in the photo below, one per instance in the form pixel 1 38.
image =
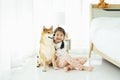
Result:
pixel 58 42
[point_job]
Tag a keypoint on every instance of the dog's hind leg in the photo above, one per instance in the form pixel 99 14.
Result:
pixel 38 62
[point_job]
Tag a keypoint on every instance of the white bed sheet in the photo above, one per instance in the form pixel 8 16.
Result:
pixel 105 34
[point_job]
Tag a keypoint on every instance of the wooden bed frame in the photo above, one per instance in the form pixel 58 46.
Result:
pixel 113 11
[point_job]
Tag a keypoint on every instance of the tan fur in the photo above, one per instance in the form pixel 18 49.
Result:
pixel 47 50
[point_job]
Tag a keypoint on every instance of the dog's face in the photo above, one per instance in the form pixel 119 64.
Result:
pixel 47 33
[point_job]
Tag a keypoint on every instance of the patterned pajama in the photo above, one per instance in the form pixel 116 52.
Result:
pixel 66 59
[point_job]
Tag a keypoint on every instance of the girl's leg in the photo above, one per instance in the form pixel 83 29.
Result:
pixel 76 63
pixel 61 61
pixel 81 60
pixel 66 59
pixel 73 62
pixel 69 67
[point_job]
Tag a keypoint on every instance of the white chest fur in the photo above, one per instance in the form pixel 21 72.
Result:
pixel 47 49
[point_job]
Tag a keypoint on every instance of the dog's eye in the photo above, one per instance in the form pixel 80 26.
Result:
pixel 48 32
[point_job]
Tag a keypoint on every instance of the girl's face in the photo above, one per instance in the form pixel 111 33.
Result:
pixel 59 36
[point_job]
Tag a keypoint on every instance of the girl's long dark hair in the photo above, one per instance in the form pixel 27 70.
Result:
pixel 61 30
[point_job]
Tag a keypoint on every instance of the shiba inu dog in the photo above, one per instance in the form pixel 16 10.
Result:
pixel 47 49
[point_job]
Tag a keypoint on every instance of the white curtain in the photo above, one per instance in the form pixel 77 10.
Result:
pixel 6 21
pixel 22 30
pixel 16 34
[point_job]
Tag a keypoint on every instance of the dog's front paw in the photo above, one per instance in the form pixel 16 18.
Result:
pixel 56 68
pixel 44 69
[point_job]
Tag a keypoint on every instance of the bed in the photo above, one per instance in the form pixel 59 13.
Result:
pixel 105 33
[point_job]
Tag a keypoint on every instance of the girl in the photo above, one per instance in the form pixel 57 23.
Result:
pixel 64 60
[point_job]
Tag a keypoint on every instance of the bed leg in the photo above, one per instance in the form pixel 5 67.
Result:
pixel 91 49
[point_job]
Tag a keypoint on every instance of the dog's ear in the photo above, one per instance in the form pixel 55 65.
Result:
pixel 44 28
pixel 51 27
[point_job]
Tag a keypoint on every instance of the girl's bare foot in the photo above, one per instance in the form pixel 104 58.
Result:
pixel 82 60
pixel 66 69
pixel 89 68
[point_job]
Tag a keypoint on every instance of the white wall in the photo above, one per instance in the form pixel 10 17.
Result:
pixel 73 24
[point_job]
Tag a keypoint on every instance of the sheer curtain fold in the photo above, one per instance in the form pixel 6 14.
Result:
pixel 16 32
pixel 23 36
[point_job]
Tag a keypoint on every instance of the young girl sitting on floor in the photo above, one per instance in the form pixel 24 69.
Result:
pixel 64 60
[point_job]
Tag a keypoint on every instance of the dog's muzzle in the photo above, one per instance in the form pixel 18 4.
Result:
pixel 50 37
